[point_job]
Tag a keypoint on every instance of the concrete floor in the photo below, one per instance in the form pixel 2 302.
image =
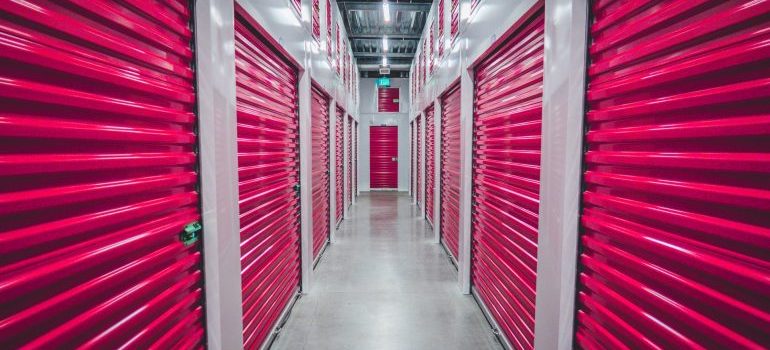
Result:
pixel 385 285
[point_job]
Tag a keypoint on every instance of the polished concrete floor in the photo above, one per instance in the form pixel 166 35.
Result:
pixel 385 285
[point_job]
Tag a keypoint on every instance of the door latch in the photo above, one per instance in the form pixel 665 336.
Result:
pixel 191 233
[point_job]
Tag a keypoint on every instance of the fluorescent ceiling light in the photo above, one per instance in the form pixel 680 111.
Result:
pixel 385 43
pixel 386 10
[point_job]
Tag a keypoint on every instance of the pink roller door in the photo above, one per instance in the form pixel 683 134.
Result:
pixel 316 19
pixel 321 163
pixel 355 159
pixel 418 182
pixel 506 178
pixel 675 228
pixel 429 163
pixel 349 179
pixel 441 30
pixel 339 161
pixel 329 34
pixel 388 100
pixel 268 178
pixel 297 6
pixel 383 156
pixel 98 177
pixel 450 169
pixel 454 22
pixel 411 159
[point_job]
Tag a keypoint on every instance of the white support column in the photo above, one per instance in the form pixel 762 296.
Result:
pixel 215 53
pixel 436 214
pixel 345 166
pixel 566 23
pixel 306 179
pixel 332 171
pixel 466 176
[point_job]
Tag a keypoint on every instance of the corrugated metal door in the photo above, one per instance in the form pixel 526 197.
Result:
pixel 321 164
pixel 349 179
pixel 297 6
pixel 383 156
pixel 268 180
pixel 387 100
pixel 338 162
pixel 316 19
pixel 454 19
pixel 329 36
pixel 506 178
pixel 98 177
pixel 418 182
pixel 355 159
pixel 337 49
pixel 411 159
pixel 450 170
pixel 429 163
pixel 441 21
pixel 675 229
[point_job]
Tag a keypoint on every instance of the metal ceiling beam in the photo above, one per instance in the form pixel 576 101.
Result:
pixel 394 6
pixel 377 66
pixel 390 55
pixel 391 36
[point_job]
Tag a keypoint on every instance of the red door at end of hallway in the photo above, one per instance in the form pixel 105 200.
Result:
pixel 268 175
pixel 383 157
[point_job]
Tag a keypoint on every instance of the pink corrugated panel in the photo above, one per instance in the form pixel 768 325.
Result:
pixel 418 182
pixel 320 167
pixel 339 161
pixel 349 179
pixel 98 177
pixel 316 19
pixel 675 228
pixel 411 158
pixel 355 159
pixel 329 34
pixel 506 178
pixel 388 100
pixel 441 28
pixel 429 162
pixel 450 169
pixel 268 178
pixel 383 153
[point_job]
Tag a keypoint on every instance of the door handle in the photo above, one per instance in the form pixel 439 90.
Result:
pixel 394 159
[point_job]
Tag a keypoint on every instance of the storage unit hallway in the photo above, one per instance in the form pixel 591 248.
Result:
pixel 384 174
pixel 385 284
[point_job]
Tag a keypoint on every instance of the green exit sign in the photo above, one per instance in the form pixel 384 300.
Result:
pixel 384 81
